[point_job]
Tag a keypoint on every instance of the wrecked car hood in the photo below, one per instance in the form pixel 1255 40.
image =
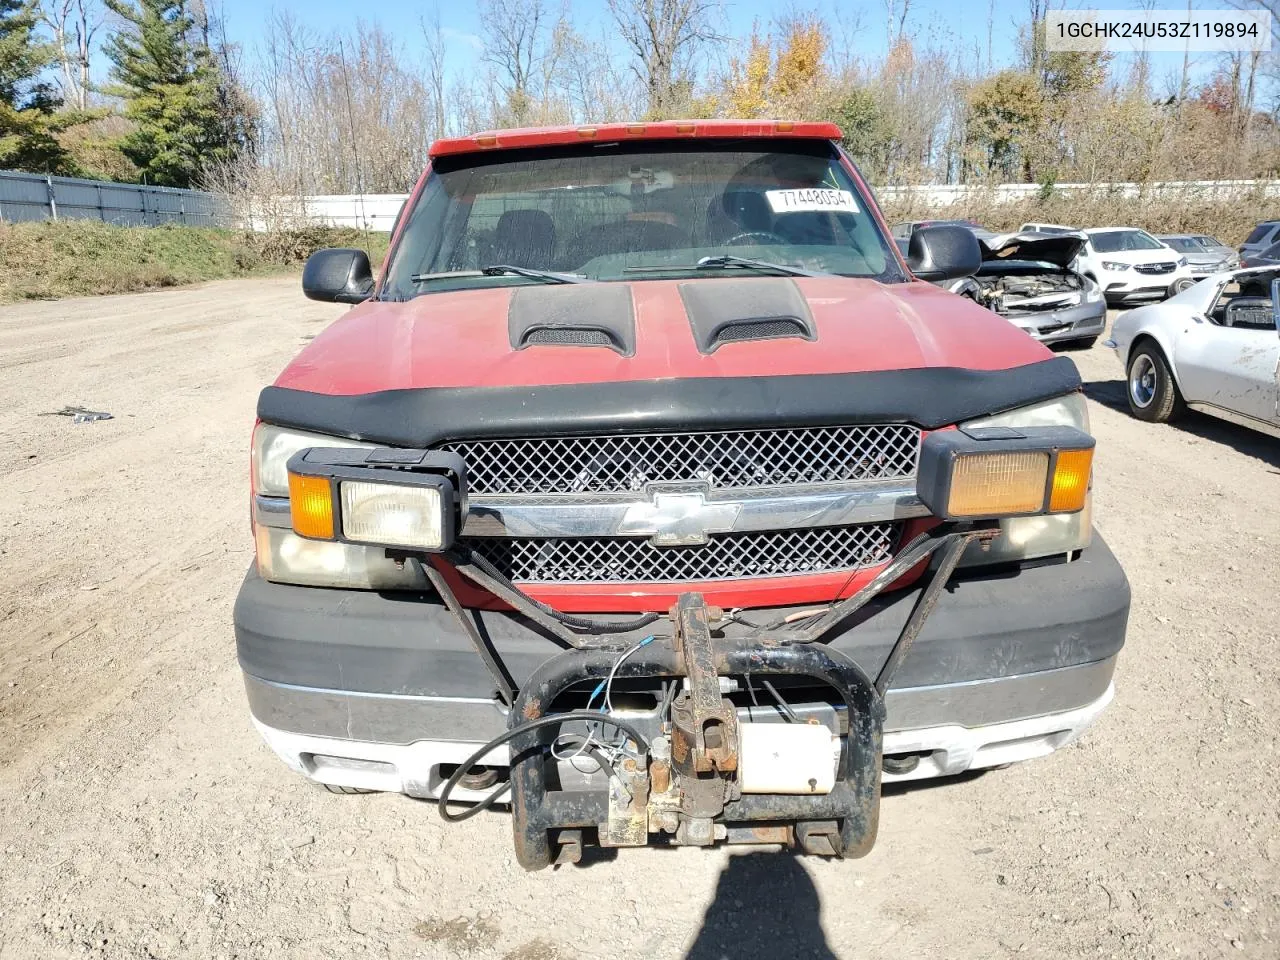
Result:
pixel 1058 249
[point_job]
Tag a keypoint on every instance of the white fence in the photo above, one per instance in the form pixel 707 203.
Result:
pixel 379 211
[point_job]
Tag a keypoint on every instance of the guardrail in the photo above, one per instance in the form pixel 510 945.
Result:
pixel 34 196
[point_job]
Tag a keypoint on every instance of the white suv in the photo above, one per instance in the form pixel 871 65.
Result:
pixel 1130 264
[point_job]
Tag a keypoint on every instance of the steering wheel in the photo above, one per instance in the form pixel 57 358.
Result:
pixel 754 236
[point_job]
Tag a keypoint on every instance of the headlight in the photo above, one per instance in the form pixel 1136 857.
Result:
pixel 272 448
pixel 1092 292
pixel 1025 538
pixel 387 497
pixel 988 473
pixel 1114 265
pixel 392 514
pixel 1182 261
pixel 285 557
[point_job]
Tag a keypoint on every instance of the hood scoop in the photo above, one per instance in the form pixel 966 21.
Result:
pixel 573 315
pixel 755 308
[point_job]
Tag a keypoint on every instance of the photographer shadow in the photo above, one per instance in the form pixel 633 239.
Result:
pixel 765 908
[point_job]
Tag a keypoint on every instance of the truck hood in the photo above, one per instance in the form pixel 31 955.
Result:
pixel 467 338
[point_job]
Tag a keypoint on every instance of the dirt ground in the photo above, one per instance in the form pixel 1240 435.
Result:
pixel 140 815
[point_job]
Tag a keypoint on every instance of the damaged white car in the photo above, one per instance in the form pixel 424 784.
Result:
pixel 1027 279
pixel 1214 348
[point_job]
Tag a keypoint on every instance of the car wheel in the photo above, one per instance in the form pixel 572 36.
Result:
pixel 1153 394
pixel 1185 283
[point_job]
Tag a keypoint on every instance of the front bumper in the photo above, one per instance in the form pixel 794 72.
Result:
pixel 1131 286
pixel 379 691
pixel 1057 326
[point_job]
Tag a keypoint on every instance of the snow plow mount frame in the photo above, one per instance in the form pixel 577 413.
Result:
pixel 683 790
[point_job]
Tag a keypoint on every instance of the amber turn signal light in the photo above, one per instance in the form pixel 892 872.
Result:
pixel 311 506
pixel 1071 471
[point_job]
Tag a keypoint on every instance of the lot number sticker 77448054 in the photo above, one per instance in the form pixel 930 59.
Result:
pixel 813 198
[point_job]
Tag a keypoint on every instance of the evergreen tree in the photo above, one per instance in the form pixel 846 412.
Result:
pixel 27 122
pixel 173 92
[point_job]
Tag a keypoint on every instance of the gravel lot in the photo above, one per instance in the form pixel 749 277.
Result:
pixel 140 816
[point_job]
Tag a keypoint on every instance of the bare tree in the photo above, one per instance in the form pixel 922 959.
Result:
pixel 665 36
pixel 433 38
pixel 73 23
pixel 896 13
pixel 522 45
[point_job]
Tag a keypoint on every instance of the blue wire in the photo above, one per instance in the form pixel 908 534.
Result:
pixel 595 693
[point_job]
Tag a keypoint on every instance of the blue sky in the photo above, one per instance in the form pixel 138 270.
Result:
pixel 946 21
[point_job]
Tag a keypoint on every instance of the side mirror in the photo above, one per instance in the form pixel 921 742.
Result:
pixel 943 253
pixel 338 276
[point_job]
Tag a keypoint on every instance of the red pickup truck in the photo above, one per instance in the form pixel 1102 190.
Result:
pixel 652 491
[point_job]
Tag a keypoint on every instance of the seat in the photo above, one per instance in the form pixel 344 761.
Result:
pixel 624 237
pixel 1250 312
pixel 524 238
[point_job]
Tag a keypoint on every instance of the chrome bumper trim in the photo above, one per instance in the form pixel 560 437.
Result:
pixel 419 769
pixel 649 516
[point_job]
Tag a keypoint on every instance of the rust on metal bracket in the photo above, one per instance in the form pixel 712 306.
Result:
pixel 712 734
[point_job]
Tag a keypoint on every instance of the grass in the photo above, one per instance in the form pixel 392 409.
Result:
pixel 74 258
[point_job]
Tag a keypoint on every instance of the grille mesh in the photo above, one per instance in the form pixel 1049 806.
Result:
pixel 774 553
pixel 739 459
pixel 1154 267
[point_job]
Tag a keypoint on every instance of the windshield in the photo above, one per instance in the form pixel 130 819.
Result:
pixel 637 211
pixel 1184 244
pixel 1116 241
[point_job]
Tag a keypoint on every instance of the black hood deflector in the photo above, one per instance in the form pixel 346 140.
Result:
pixel 929 397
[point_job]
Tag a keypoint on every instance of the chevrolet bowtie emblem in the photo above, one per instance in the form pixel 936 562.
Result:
pixel 679 519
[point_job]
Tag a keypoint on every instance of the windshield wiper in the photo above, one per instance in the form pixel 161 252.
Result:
pixel 503 269
pixel 729 260
pixel 726 260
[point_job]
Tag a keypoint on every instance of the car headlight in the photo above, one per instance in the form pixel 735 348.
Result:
pixel 1114 265
pixel 388 497
pixel 1182 261
pixel 272 448
pixel 1026 538
pixel 285 557
pixel 1092 292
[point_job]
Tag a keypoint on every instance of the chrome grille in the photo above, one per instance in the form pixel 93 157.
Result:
pixel 1155 267
pixel 775 553
pixel 737 459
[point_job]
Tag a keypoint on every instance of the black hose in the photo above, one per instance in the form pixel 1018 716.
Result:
pixel 786 707
pixel 529 725
pixel 576 623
